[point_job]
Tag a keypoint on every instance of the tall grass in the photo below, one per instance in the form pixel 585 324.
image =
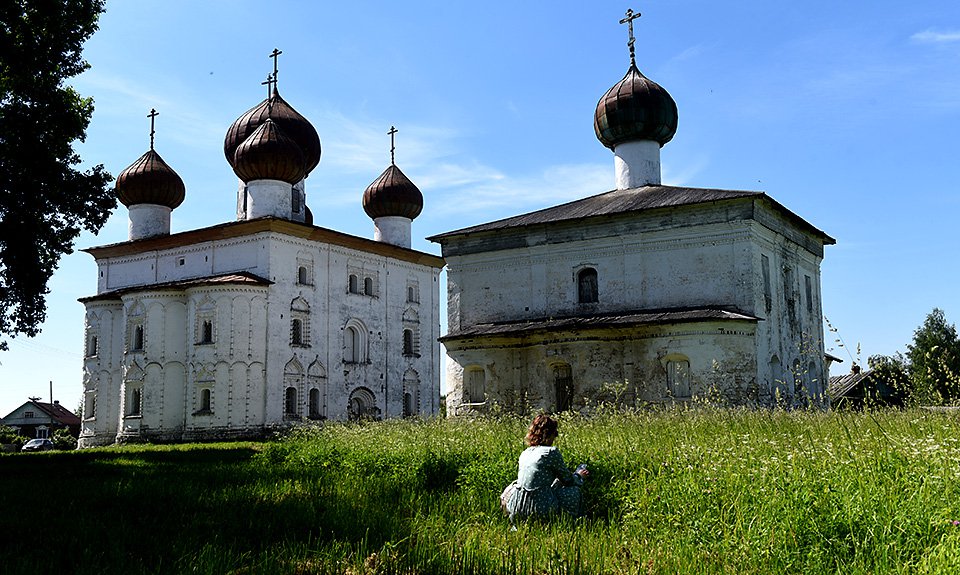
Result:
pixel 675 491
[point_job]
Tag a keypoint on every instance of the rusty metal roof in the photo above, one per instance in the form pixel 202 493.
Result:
pixel 630 200
pixel 293 124
pixel 635 108
pixel 150 180
pixel 392 194
pixel 620 319
pixel 238 278
pixel 269 154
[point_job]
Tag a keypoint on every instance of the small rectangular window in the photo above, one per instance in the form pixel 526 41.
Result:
pixel 767 296
pixel 808 288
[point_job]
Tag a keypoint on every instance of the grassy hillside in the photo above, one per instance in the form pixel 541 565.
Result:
pixel 698 491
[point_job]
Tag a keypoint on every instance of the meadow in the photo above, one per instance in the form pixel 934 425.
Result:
pixel 673 491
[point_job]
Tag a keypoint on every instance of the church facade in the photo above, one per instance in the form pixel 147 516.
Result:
pixel 643 294
pixel 253 325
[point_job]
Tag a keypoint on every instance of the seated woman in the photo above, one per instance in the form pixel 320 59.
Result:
pixel 544 485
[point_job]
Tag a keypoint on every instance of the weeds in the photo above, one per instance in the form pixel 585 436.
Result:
pixel 683 489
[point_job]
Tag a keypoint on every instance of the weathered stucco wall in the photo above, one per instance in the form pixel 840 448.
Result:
pixel 232 379
pixel 705 255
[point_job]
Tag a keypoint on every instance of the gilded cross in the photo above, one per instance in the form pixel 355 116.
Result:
pixel 628 20
pixel 153 114
pixel 275 55
pixel 392 131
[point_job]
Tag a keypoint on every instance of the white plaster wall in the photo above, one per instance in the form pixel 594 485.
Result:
pixel 392 230
pixel 148 220
pixel 672 268
pixel 642 267
pixel 269 198
pixel 628 365
pixel 252 334
pixel 636 164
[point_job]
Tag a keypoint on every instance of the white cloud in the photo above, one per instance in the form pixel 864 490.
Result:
pixel 933 37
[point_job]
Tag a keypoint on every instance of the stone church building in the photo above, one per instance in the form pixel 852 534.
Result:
pixel 643 294
pixel 234 330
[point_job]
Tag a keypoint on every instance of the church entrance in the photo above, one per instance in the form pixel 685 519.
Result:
pixel 362 405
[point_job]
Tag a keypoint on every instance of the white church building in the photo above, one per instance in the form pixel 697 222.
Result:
pixel 643 294
pixel 241 328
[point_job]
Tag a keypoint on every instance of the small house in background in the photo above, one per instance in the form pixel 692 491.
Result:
pixel 862 387
pixel 36 419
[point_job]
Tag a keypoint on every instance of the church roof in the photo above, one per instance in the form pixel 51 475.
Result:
pixel 263 225
pixel 635 108
pixel 150 180
pixel 392 194
pixel 619 319
pixel 238 278
pixel 631 200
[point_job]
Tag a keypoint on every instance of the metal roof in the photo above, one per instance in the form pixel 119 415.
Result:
pixel 620 319
pixel 238 278
pixel 630 200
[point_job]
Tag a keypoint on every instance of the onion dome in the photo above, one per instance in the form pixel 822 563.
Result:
pixel 268 154
pixel 150 180
pixel 307 216
pixel 295 126
pixel 636 108
pixel 392 194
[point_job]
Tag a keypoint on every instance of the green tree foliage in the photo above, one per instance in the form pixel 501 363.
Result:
pixel 62 439
pixel 935 359
pixel 44 200
pixel 894 371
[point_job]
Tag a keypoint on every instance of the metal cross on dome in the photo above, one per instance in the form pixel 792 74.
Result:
pixel 391 133
pixel 275 55
pixel 153 114
pixel 628 20
pixel 269 83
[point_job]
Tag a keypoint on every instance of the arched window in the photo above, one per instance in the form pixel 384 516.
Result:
pixel 407 404
pixel 408 342
pixel 205 400
pixel 290 401
pixel 138 338
pixel 296 332
pixel 136 400
pixel 302 275
pixel 352 285
pixel 314 403
pixel 207 329
pixel 412 294
pixel 93 345
pixel 354 342
pixel 368 286
pixel 587 286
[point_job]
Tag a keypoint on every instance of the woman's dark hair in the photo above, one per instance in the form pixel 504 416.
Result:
pixel 542 431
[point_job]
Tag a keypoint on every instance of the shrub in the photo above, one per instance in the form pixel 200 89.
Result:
pixel 62 439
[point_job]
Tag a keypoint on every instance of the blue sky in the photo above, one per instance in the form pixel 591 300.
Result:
pixel 845 112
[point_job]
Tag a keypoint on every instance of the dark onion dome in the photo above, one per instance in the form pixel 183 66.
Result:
pixel 268 154
pixel 392 194
pixel 636 108
pixel 307 216
pixel 150 180
pixel 290 121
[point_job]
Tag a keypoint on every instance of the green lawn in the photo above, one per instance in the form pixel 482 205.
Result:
pixel 677 491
